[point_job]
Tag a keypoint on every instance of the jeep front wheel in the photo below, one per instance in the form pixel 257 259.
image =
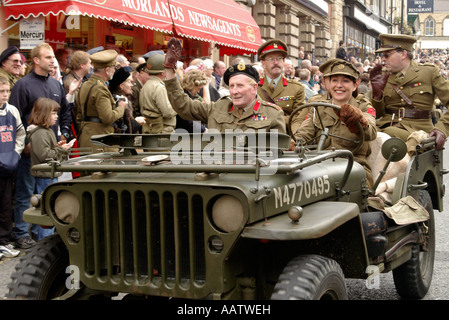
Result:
pixel 311 277
pixel 40 274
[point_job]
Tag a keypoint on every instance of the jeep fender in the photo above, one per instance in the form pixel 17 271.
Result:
pixel 35 216
pixel 317 220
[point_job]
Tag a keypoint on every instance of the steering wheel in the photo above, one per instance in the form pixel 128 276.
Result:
pixel 325 131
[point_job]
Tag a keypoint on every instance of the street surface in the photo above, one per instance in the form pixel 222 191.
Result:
pixel 357 289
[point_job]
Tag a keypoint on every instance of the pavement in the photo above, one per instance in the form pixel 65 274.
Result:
pixel 7 267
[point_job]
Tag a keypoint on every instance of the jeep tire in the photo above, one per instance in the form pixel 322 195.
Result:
pixel 40 274
pixel 311 277
pixel 412 279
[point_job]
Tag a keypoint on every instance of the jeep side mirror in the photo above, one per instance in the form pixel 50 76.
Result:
pixel 393 150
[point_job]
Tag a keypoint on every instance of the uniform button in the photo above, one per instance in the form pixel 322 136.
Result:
pixel 401 88
pixel 402 100
pixel 421 91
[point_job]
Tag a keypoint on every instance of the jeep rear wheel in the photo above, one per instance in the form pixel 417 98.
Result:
pixel 311 277
pixel 412 279
pixel 40 274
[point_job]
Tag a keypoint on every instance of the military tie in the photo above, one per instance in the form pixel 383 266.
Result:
pixel 240 111
pixel 271 86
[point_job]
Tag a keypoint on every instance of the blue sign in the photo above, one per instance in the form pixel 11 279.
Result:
pixel 420 6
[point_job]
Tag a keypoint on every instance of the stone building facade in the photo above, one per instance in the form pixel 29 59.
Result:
pixel 319 25
pixel 434 27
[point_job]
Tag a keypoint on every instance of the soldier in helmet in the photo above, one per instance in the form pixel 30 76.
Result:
pixel 243 109
pixel 154 104
pixel 288 94
pixel 98 111
pixel 403 91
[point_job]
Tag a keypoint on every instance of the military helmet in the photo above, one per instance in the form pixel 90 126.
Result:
pixel 155 63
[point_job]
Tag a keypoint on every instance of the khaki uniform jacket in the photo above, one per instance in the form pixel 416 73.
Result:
pixel 156 108
pixel 421 83
pixel 289 94
pixel 311 128
pixel 222 115
pixel 100 104
pixel 136 88
pixel 12 79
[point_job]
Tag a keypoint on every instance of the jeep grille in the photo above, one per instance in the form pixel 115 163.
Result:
pixel 127 241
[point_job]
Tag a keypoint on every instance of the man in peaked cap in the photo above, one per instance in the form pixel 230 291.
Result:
pixel 97 109
pixel 288 94
pixel 154 104
pixel 141 78
pixel 244 109
pixel 10 64
pixel 403 91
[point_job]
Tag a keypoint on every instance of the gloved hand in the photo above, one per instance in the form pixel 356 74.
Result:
pixel 378 81
pixel 440 138
pixel 351 115
pixel 173 53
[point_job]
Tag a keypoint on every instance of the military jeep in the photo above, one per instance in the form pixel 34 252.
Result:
pixel 235 216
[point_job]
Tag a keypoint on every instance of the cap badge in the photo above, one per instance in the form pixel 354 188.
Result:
pixel 241 66
pixel 275 45
pixel 341 66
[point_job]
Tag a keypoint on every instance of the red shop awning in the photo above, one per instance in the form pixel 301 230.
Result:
pixel 223 22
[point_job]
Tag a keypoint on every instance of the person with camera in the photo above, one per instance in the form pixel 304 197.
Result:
pixel 98 111
pixel 121 88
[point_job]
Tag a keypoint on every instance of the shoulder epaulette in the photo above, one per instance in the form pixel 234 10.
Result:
pixel 225 97
pixel 294 81
pixel 272 105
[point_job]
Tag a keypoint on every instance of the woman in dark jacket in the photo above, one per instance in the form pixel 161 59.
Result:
pixel 121 87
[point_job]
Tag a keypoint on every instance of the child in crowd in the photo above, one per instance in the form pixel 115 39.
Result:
pixel 12 142
pixel 44 146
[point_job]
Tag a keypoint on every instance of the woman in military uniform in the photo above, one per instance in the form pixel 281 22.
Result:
pixel 342 91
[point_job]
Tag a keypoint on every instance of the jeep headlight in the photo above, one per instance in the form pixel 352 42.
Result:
pixel 67 207
pixel 227 213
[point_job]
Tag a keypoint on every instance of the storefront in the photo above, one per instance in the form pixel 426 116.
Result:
pixel 135 27
pixel 361 29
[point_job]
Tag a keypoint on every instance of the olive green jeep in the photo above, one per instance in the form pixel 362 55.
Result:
pixel 235 216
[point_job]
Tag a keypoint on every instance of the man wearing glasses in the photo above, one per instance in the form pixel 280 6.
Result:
pixel 10 64
pixel 275 87
pixel 403 91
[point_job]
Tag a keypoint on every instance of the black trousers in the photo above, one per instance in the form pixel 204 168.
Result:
pixel 6 221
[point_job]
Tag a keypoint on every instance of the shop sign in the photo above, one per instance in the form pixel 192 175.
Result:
pixel 32 32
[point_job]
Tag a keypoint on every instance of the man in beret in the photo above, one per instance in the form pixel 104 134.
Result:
pixel 97 109
pixel 154 103
pixel 288 94
pixel 244 109
pixel 403 91
pixel 10 64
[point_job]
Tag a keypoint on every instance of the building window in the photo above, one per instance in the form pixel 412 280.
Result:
pixel 446 27
pixel 430 27
pixel 375 7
